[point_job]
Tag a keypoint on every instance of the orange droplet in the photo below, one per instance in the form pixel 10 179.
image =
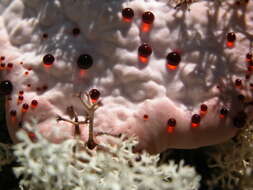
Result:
pixel 143 59
pixel 170 129
pixel 146 27
pixel 82 72
pixel 171 67
pixel 230 44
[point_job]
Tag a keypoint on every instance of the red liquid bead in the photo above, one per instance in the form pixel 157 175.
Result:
pixel 171 124
pixel 76 31
pixel 94 95
pixel 173 59
pixel 144 52
pixel 45 36
pixel 20 99
pixel 29 85
pixel 145 117
pixel 26 73
pixel 34 103
pixel 238 83
pixel 44 87
pixel 250 65
pixel 203 109
pixel 127 14
pixel 231 37
pixel 48 60
pixel 251 85
pixel 248 57
pixel 21 92
pixel 25 107
pixel 147 21
pixel 2 66
pixel 2 58
pixel 223 112
pixel 9 66
pixel 195 120
pixel 13 115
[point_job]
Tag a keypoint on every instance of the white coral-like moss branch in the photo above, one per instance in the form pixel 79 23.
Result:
pixel 72 166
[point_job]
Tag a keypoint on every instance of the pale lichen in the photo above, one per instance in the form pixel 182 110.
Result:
pixel 71 165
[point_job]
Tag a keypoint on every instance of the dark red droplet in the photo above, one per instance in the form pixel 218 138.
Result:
pixel 127 14
pixel 231 37
pixel 94 94
pixel 171 124
pixel 145 117
pixel 45 36
pixel 195 120
pixel 44 87
pixel 34 103
pixel 223 112
pixel 148 17
pixel 48 60
pixel 25 107
pixel 173 59
pixel 2 66
pixel 76 31
pixel 21 92
pixel 203 109
pixel 20 98
pixel 13 113
pixel 6 87
pixel 248 57
pixel 238 83
pixel 84 61
pixel 144 52
pixel 2 58
pixel 9 66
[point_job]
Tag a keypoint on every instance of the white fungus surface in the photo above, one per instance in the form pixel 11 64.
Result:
pixel 129 89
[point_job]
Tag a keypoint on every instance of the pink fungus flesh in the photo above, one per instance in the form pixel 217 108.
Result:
pixel 129 90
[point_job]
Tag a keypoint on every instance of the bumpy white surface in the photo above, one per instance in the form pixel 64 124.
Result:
pixel 129 89
pixel 57 166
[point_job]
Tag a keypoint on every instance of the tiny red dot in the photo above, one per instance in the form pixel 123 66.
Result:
pixel 145 117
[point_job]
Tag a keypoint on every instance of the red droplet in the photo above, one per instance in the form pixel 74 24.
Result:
pixel 2 66
pixel 147 21
pixel 2 58
pixel 21 92
pixel 44 87
pixel 250 65
pixel 173 60
pixel 38 89
pixel 94 95
pixel 144 52
pixel 9 66
pixel 145 117
pixel 76 31
pixel 29 85
pixel 251 85
pixel 45 36
pixel 238 83
pixel 48 60
pixel 195 120
pixel 223 112
pixel 231 38
pixel 203 109
pixel 171 124
pixel 20 99
pixel 34 103
pixel 21 63
pixel 127 14
pixel 248 57
pixel 25 107
pixel 26 73
pixel 13 115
